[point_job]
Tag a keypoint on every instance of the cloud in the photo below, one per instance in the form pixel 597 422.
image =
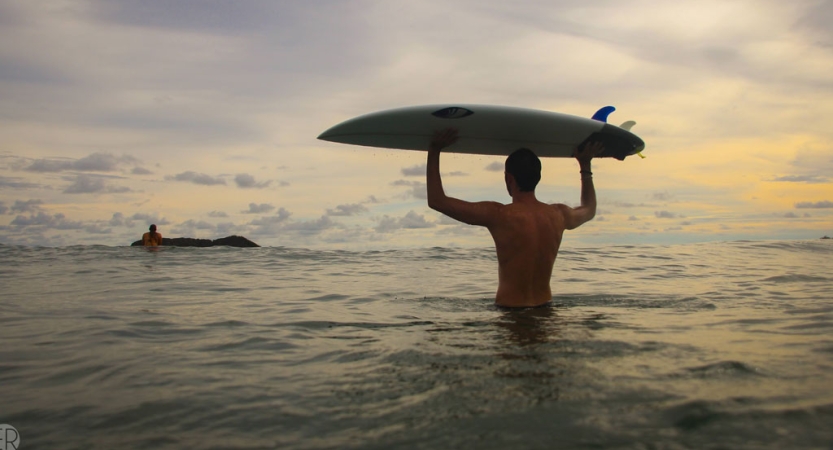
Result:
pixel 29 206
pixel 270 225
pixel 147 218
pixel 387 225
pixel 811 179
pixel 633 218
pixel 496 167
pixel 817 205
pixel 96 162
pixel 246 181
pixel 140 171
pixel 418 189
pixel 662 196
pixel 227 228
pixel 45 220
pixel 414 220
pixel 217 214
pixel 189 227
pixel 414 171
pixel 10 182
pixel 664 215
pixel 197 178
pixel 262 208
pixel 420 169
pixel 631 205
pixel 790 215
pixel 102 162
pixel 347 210
pixel 311 226
pixel 95 228
pixel 86 184
pixel 445 220
pixel 411 220
pixel 117 220
pixel 50 165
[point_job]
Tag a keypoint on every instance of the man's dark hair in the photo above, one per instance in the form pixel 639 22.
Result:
pixel 525 166
pixel 153 227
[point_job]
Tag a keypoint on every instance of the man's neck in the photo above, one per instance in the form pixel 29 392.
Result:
pixel 524 197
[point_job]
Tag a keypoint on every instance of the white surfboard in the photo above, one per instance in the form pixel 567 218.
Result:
pixel 487 130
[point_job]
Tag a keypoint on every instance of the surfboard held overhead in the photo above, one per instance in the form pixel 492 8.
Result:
pixel 487 130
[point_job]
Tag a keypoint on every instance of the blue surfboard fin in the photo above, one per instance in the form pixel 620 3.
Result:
pixel 601 115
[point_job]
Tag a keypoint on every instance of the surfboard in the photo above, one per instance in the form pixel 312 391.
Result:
pixel 488 130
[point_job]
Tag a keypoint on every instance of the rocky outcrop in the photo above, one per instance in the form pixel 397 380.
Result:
pixel 230 241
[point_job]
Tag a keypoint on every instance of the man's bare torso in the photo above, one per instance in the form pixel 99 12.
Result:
pixel 527 236
pixel 527 233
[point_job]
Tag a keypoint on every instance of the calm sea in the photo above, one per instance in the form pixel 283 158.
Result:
pixel 706 346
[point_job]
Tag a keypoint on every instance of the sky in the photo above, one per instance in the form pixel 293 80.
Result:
pixel 201 116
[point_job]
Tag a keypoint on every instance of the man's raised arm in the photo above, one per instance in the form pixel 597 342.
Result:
pixel 480 213
pixel 574 217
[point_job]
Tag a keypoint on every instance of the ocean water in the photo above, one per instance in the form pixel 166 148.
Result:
pixel 706 346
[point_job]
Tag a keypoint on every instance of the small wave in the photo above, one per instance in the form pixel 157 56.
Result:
pixel 320 325
pixel 228 324
pixel 695 414
pixel 253 343
pixel 633 301
pixel 796 278
pixel 718 370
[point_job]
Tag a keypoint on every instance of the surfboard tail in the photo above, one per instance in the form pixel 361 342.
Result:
pixel 618 143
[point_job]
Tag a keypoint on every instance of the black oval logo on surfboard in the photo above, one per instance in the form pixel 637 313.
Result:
pixel 453 112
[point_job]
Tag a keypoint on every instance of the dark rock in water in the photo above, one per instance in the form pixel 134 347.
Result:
pixel 235 241
pixel 230 241
pixel 826 237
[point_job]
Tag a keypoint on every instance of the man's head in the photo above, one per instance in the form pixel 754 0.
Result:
pixel 153 228
pixel 525 168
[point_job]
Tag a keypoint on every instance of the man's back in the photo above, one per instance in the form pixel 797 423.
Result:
pixel 527 236
pixel 527 233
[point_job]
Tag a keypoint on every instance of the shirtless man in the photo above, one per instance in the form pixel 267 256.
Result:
pixel 527 232
pixel 152 238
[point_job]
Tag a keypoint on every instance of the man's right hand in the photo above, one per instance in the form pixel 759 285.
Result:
pixel 587 152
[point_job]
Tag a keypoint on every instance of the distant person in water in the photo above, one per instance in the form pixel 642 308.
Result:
pixel 527 232
pixel 152 238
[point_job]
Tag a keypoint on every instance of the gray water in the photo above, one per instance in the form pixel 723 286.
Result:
pixel 719 345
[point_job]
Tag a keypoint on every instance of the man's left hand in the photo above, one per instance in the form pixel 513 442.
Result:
pixel 442 139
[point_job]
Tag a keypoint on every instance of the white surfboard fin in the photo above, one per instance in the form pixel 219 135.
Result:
pixel 627 125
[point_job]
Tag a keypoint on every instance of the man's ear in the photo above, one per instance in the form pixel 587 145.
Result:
pixel 510 182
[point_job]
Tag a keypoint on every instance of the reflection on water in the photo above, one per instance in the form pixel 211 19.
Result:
pixel 528 326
